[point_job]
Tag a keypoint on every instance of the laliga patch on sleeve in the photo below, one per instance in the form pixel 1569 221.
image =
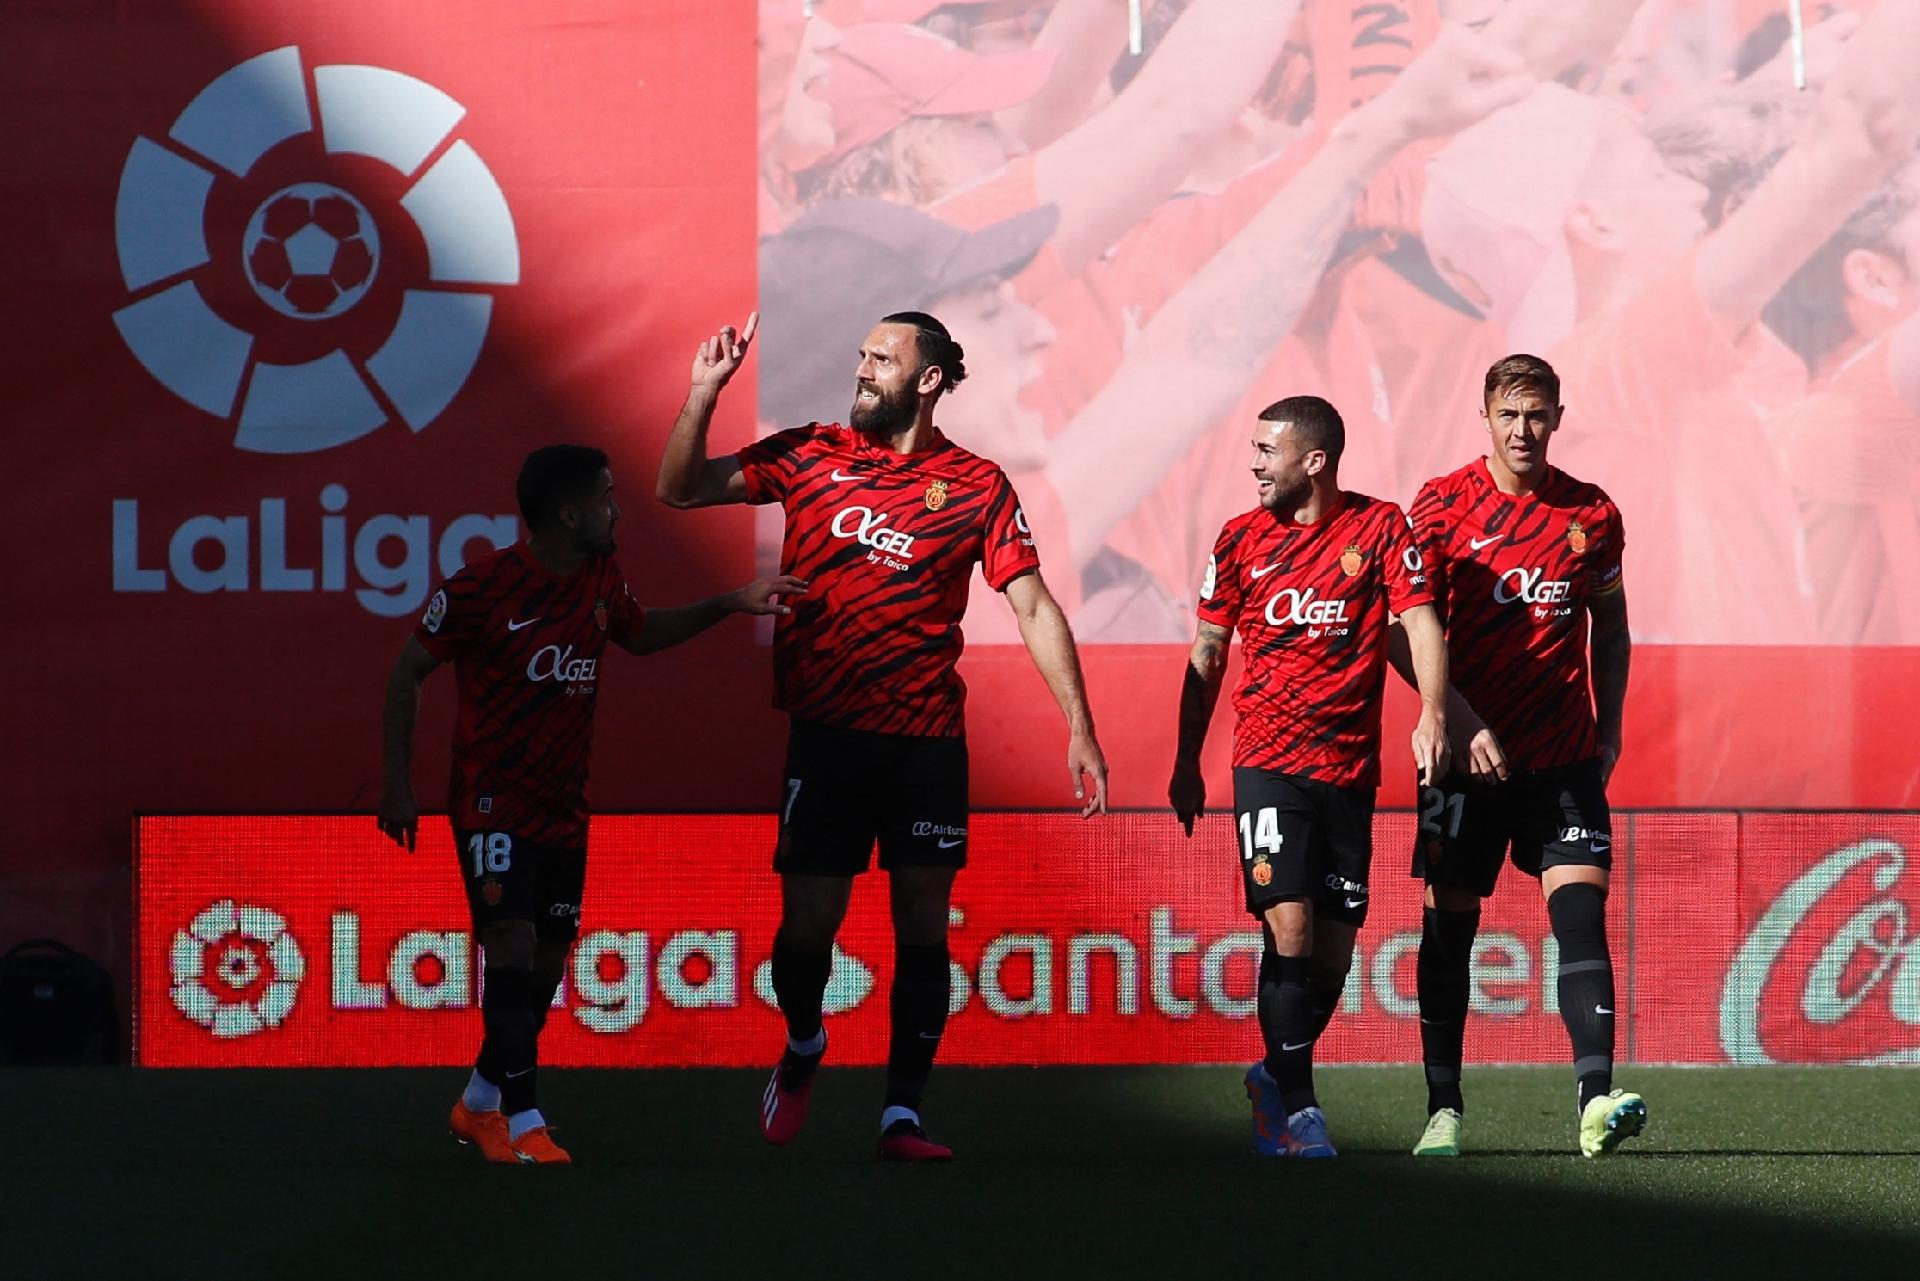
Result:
pixel 436 612
pixel 1212 579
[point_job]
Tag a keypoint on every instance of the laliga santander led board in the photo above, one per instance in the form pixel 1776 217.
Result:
pixel 300 941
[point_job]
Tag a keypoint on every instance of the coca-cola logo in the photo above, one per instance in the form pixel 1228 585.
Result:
pixel 1831 970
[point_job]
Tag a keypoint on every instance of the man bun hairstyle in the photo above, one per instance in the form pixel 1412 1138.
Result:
pixel 552 477
pixel 935 345
pixel 1316 423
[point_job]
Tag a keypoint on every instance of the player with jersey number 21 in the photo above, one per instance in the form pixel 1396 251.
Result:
pixel 1525 562
pixel 526 627
pixel 1311 578
pixel 885 518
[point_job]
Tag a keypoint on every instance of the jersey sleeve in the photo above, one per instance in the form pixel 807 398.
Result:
pixel 1007 549
pixel 1401 564
pixel 768 464
pixel 454 619
pixel 1603 573
pixel 625 615
pixel 1223 590
pixel 1428 520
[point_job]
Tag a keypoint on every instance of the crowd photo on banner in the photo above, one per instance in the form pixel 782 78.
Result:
pixel 1372 203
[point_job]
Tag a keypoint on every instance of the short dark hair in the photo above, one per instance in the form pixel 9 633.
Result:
pixel 1521 372
pixel 1315 421
pixel 935 345
pixel 1809 313
pixel 552 477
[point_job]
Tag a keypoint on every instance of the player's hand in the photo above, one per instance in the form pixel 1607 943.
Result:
pixel 1486 761
pixel 719 356
pixel 399 816
pixel 1609 757
pixel 1461 78
pixel 1187 791
pixel 765 596
pixel 1431 754
pixel 1085 761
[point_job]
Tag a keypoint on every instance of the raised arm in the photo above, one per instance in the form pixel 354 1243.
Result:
pixel 1612 656
pixel 1207 344
pixel 688 477
pixel 1865 126
pixel 1199 693
pixel 1043 626
pixel 1087 35
pixel 1121 163
pixel 399 815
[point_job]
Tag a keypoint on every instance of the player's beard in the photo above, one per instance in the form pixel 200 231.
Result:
pixel 1285 497
pixel 892 412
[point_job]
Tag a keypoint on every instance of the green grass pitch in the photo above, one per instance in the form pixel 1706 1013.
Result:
pixel 1116 1172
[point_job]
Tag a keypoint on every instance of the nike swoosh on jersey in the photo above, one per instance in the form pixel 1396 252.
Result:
pixel 1478 543
pixel 512 626
pixel 1261 572
pixel 946 844
pixel 838 476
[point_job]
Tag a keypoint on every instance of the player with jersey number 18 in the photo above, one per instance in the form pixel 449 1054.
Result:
pixel 886 518
pixel 525 628
pixel 1310 579
pixel 1525 562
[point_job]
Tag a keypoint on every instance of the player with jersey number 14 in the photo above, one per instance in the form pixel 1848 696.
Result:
pixel 1310 579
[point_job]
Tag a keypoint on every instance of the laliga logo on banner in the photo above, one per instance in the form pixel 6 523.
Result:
pixel 1874 953
pixel 310 251
pixel 254 978
pixel 307 315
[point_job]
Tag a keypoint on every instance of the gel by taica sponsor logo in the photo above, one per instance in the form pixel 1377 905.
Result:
pixel 1531 586
pixel 555 663
pixel 1830 970
pixel 389 560
pixel 891 547
pixel 253 275
pixel 1297 606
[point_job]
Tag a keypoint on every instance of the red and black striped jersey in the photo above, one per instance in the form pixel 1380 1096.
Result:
pixel 887 543
pixel 1513 574
pixel 1311 604
pixel 526 649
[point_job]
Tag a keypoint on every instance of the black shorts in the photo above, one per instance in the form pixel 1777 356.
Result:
pixel 1548 818
pixel 510 879
pixel 1301 838
pixel 846 788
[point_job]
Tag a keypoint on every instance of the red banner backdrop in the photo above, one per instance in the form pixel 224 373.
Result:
pixel 313 942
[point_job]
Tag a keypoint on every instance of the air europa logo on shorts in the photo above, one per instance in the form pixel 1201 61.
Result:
pixel 1297 606
pixel 550 662
pixel 869 528
pixel 1531 586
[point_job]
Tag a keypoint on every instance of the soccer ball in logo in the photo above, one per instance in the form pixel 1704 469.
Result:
pixel 311 251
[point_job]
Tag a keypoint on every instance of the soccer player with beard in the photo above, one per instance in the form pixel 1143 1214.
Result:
pixel 1311 579
pixel 1525 562
pixel 886 518
pixel 525 628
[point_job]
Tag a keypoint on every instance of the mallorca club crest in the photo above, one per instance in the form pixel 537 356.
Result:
pixel 936 495
pixel 1576 537
pixel 1351 560
pixel 600 614
pixel 1262 871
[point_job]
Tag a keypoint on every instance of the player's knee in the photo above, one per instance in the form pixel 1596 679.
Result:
pixel 1446 899
pixel 509 945
pixel 1579 915
pixel 1290 927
